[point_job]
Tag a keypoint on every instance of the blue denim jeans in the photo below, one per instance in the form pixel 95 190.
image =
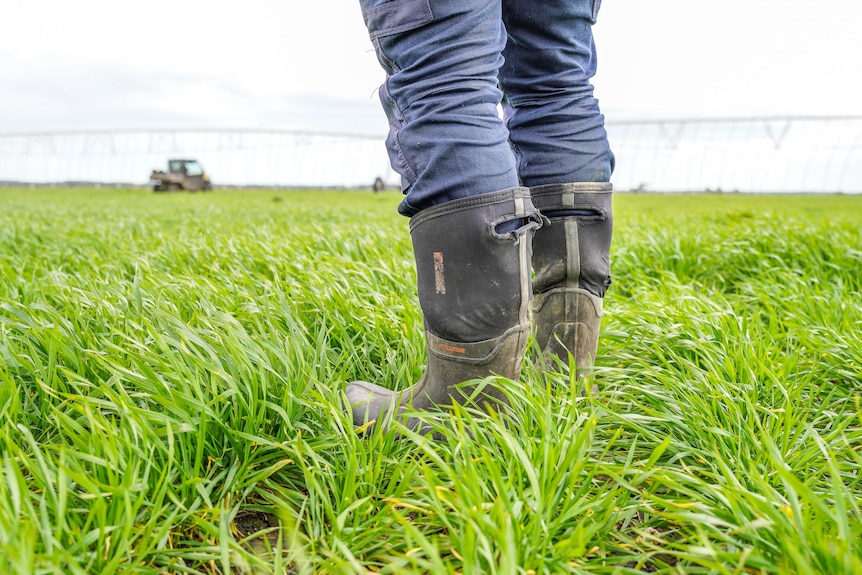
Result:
pixel 449 65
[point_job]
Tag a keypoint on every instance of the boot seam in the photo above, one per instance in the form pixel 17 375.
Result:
pixel 459 351
pixel 573 187
pixel 539 299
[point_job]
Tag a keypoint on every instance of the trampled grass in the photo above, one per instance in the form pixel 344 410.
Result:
pixel 171 365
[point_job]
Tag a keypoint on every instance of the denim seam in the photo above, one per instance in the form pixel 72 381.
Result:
pixel 385 60
pixel 402 120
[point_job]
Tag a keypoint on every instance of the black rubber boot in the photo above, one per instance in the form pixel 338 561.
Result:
pixel 571 260
pixel 473 271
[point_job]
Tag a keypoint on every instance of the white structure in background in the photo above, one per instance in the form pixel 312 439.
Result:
pixel 779 154
pixel 765 154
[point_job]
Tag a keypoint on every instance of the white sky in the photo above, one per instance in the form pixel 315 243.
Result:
pixel 284 64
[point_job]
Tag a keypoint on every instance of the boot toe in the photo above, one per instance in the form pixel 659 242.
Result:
pixel 366 401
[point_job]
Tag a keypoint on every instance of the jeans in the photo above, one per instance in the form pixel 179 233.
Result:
pixel 451 63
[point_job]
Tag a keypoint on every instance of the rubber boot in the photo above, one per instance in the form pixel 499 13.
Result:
pixel 473 274
pixel 571 261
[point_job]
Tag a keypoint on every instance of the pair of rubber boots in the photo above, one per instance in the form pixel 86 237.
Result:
pixel 474 261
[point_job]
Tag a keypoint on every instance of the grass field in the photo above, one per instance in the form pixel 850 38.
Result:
pixel 171 367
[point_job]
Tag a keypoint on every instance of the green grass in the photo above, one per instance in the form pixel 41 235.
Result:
pixel 170 365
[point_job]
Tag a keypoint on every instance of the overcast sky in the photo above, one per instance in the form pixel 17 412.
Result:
pixel 284 64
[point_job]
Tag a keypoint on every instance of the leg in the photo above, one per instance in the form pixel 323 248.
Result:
pixel 441 94
pixel 557 132
pixel 554 121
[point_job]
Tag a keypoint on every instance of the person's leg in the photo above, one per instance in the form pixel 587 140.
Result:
pixel 471 223
pixel 555 125
pixel 441 93
pixel 563 155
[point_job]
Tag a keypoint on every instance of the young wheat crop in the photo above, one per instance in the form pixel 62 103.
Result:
pixel 171 370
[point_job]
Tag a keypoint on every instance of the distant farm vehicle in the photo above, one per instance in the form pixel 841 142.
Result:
pixel 186 175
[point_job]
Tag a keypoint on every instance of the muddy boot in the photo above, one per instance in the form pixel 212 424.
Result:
pixel 473 271
pixel 572 270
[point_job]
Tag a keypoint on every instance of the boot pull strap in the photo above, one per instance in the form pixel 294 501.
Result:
pixel 526 220
pixel 513 228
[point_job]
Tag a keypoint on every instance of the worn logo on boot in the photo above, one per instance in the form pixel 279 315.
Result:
pixel 451 348
pixel 439 280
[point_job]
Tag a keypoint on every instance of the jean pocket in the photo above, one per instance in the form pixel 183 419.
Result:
pixel 396 16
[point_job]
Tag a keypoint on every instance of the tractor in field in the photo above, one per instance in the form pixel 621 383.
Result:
pixel 186 175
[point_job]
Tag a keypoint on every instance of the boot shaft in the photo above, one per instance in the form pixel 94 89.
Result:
pixel 571 260
pixel 573 250
pixel 473 264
